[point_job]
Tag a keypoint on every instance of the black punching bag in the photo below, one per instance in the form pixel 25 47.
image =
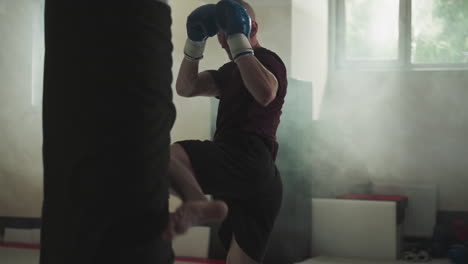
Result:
pixel 107 116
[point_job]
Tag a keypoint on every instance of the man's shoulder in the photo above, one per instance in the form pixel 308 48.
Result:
pixel 271 61
pixel 264 53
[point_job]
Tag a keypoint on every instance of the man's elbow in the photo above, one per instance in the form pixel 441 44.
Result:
pixel 270 94
pixel 267 99
pixel 182 92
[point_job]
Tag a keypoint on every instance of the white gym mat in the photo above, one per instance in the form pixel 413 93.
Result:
pixel 354 229
pixel 18 256
pixel 330 260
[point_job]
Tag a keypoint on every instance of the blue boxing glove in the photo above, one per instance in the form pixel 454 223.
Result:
pixel 232 18
pixel 201 24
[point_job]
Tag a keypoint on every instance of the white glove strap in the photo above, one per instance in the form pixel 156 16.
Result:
pixel 239 46
pixel 193 50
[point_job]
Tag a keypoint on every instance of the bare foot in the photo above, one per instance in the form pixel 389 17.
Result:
pixel 192 213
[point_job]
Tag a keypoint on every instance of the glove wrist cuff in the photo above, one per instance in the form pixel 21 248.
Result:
pixel 193 50
pixel 239 45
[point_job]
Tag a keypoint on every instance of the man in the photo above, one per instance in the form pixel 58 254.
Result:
pixel 237 167
pixel 107 116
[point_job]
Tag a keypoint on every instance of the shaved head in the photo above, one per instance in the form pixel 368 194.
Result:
pixel 248 7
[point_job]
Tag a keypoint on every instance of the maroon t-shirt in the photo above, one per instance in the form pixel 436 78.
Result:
pixel 238 111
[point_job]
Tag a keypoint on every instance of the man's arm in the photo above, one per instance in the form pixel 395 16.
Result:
pixel 201 24
pixel 235 23
pixel 190 83
pixel 260 82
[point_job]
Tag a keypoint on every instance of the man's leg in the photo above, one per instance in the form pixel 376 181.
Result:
pixel 182 176
pixel 237 256
pixel 196 209
pixel 252 190
pixel 184 183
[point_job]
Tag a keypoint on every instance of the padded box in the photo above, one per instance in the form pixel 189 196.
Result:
pixel 356 228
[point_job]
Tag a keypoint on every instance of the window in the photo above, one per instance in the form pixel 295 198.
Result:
pixel 371 29
pixel 440 32
pixel 402 33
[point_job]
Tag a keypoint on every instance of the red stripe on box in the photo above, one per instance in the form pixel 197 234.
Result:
pixel 19 245
pixel 374 197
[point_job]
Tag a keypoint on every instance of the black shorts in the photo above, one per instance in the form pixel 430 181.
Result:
pixel 240 170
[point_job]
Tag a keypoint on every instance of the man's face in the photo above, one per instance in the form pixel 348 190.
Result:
pixel 223 42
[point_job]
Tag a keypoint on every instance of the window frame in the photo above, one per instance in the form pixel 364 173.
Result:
pixel 403 62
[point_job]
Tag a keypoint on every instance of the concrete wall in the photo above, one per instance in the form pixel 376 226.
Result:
pixel 20 115
pixel 309 48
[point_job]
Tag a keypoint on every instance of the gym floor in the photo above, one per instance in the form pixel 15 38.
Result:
pixel 328 260
pixel 10 253
pixel 29 256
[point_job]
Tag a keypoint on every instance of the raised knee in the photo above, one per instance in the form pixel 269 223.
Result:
pixel 178 153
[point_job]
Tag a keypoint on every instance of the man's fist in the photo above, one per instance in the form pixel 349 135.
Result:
pixel 232 18
pixel 234 21
pixel 201 24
